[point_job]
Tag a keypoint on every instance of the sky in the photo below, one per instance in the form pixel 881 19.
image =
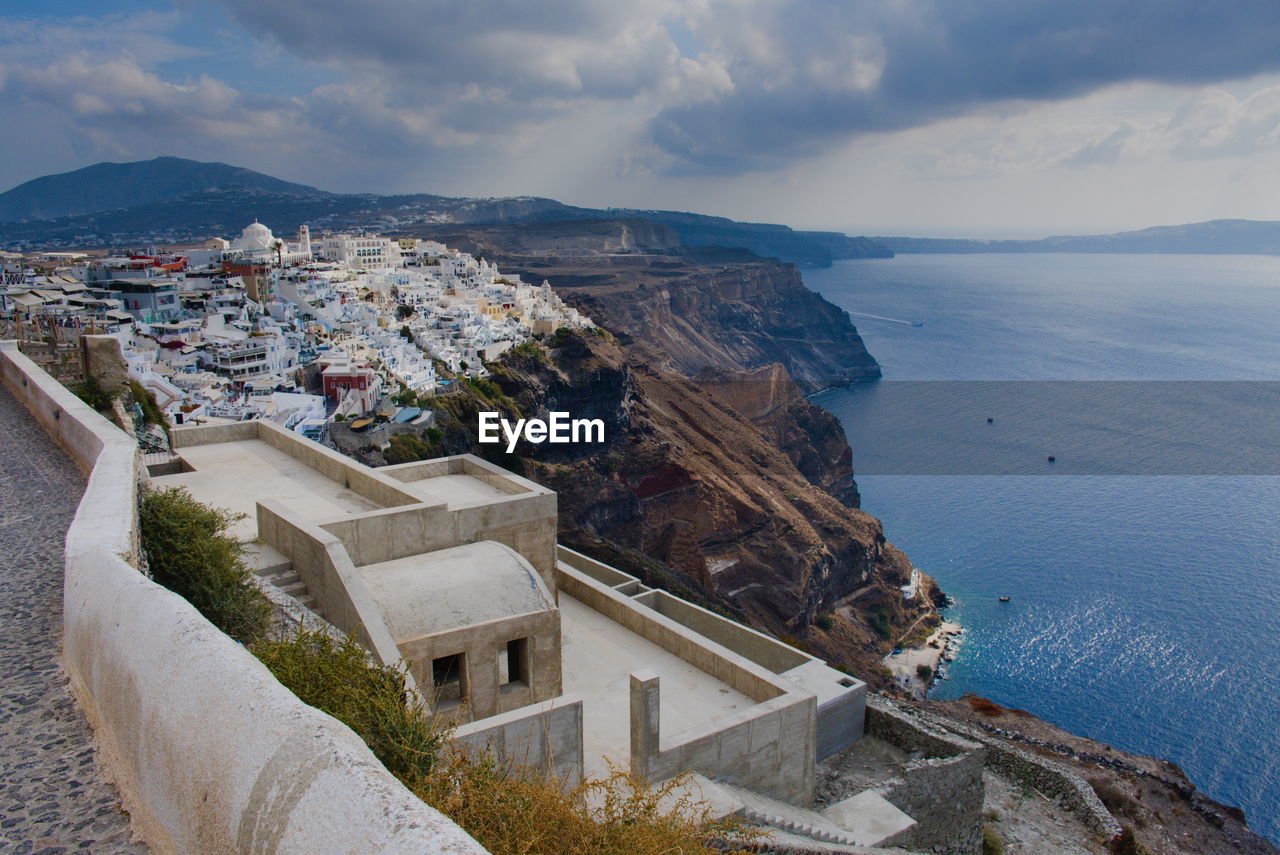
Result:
pixel 994 118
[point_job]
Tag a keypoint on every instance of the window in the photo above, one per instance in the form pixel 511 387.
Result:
pixel 448 674
pixel 513 663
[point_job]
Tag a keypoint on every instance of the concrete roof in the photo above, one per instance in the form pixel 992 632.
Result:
pixel 453 490
pixel 235 475
pixel 598 658
pixel 435 592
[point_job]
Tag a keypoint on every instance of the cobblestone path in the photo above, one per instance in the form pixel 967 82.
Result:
pixel 52 796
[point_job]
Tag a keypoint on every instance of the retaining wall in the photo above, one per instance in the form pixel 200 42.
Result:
pixel 210 753
pixel 1050 778
pixel 942 791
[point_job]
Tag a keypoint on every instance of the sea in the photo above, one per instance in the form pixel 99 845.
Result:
pixel 1142 565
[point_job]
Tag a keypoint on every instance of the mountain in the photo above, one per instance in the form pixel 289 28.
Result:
pixel 171 200
pixel 1243 237
pixel 110 186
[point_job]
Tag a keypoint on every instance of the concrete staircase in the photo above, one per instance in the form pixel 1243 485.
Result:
pixel 276 568
pixel 864 820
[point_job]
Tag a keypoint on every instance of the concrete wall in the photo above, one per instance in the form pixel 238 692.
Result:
pixel 761 649
pixel 842 721
pixel 546 737
pixel 325 568
pixel 941 788
pixel 526 523
pixel 210 753
pixel 742 674
pixel 377 536
pixel 525 519
pixel 481 644
pixel 768 747
pixel 370 483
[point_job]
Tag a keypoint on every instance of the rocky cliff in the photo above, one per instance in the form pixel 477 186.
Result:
pixel 729 489
pixel 696 313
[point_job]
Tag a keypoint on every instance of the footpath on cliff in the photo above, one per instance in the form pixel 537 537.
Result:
pixel 54 798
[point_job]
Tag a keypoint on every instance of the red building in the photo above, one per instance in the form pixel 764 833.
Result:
pixel 340 377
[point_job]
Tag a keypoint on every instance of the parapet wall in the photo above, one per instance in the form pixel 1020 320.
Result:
pixel 210 753
pixel 546 736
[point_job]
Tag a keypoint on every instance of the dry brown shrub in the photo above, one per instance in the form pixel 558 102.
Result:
pixel 519 811
pixel 984 706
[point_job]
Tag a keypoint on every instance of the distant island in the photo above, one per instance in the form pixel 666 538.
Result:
pixel 1213 237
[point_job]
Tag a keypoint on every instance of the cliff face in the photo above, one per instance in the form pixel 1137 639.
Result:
pixel 808 435
pixel 692 482
pixel 734 317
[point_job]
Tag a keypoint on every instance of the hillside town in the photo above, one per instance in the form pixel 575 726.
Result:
pixel 303 331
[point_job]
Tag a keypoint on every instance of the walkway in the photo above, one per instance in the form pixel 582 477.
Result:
pixel 52 796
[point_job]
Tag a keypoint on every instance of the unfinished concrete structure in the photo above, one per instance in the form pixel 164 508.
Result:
pixel 541 654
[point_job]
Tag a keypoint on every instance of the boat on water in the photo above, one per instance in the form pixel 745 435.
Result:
pixel 1004 599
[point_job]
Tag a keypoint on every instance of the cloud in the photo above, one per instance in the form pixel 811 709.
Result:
pixel 887 65
pixel 703 87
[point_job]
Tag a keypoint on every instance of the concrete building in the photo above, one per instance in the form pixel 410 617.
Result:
pixel 541 654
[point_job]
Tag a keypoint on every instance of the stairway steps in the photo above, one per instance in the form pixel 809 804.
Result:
pixel 864 820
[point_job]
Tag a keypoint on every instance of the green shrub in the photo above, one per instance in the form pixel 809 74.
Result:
pixel 151 412
pixel 992 843
pixel 825 620
pixel 408 447
pixel 924 672
pixel 560 337
pixel 190 552
pixel 515 811
pixel 339 678
pixel 91 392
pixel 878 620
pixel 339 417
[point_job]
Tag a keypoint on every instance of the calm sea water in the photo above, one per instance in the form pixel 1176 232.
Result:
pixel 1145 610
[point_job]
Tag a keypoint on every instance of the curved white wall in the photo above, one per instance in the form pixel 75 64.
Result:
pixel 210 753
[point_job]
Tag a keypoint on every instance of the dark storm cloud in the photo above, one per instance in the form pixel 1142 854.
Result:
pixel 931 60
pixel 701 86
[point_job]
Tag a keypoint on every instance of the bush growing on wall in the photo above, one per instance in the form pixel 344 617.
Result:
pixel 190 552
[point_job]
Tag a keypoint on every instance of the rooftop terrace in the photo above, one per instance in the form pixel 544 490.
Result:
pixel 599 656
pixel 235 475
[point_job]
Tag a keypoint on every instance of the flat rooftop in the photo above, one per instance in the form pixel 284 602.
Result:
pixel 453 490
pixel 236 475
pixel 598 657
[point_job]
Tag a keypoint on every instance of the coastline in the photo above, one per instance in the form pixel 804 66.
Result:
pixel 939 648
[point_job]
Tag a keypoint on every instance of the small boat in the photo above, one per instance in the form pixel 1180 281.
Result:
pixel 1003 599
pixel 361 424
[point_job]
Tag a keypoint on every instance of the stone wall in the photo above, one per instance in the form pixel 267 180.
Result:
pixel 210 753
pixel 1052 779
pixel 942 790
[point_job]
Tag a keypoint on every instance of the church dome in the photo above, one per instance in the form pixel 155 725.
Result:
pixel 255 237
